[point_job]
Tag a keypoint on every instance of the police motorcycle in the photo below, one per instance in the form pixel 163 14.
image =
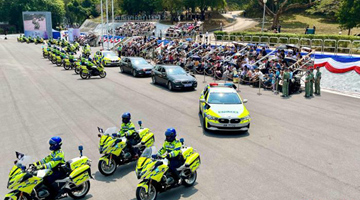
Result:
pixel 155 174
pixel 27 183
pixel 115 151
pixel 38 40
pixel 52 55
pixel 81 61
pixel 60 58
pixel 69 62
pixel 90 69
pixel 45 51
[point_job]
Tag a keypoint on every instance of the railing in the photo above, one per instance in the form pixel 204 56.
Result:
pixel 323 45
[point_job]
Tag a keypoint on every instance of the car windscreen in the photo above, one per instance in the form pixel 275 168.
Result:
pixel 139 61
pixel 109 54
pixel 175 71
pixel 224 98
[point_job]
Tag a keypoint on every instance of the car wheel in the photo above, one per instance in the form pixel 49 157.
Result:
pixel 204 124
pixel 170 86
pixel 153 79
pixel 121 69
pixel 134 73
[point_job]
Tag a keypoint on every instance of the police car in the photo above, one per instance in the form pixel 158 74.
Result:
pixel 222 108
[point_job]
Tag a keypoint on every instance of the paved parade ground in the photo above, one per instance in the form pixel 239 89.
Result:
pixel 296 148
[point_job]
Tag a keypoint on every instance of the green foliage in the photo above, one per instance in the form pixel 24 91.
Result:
pixel 218 35
pixel 349 15
pixel 79 10
pixel 134 7
pixel 326 8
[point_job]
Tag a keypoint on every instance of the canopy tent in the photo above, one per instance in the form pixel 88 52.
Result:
pixel 55 34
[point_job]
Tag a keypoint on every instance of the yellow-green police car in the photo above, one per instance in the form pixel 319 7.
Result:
pixel 107 58
pixel 223 109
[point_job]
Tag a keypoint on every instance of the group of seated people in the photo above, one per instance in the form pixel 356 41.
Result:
pixel 130 29
pixel 248 63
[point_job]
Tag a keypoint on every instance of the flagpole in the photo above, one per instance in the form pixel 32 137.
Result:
pixel 113 26
pixel 107 23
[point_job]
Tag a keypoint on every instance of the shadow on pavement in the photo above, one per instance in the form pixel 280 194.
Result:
pixel 223 134
pixel 130 75
pixel 164 87
pixel 88 196
pixel 120 172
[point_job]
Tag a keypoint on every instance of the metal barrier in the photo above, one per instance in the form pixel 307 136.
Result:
pixel 294 41
pixel 283 40
pixel 247 38
pixel 330 44
pixel 343 45
pixel 317 43
pixel 305 42
pixel 264 39
pixel 355 45
pixel 273 41
pixel 238 38
pixel 255 39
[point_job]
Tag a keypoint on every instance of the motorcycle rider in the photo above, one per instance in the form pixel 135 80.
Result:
pixel 91 65
pixel 128 130
pixel 53 162
pixel 172 147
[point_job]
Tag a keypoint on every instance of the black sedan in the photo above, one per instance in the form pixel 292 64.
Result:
pixel 137 66
pixel 173 76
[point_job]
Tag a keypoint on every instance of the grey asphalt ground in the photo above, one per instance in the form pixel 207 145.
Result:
pixel 296 148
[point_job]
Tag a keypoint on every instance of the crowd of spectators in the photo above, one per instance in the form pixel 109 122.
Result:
pixel 130 29
pixel 250 63
pixel 184 30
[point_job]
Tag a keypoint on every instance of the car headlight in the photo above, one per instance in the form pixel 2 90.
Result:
pixel 246 118
pixel 211 117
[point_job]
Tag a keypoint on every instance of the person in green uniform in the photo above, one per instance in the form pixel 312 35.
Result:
pixel 307 84
pixel 285 86
pixel 317 81
pixel 312 82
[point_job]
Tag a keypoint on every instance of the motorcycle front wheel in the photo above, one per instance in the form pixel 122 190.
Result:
pixel 83 75
pixel 102 74
pixel 142 195
pixel 80 191
pixel 24 196
pixel 105 169
pixel 58 63
pixel 66 67
pixel 77 70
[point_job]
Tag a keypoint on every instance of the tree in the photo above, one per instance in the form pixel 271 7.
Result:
pixel 173 6
pixel 205 4
pixel 79 10
pixel 276 8
pixel 134 7
pixel 327 8
pixel 348 14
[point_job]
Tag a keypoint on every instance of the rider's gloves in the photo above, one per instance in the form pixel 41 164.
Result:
pixel 154 156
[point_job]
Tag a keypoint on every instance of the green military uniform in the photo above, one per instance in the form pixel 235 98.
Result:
pixel 307 85
pixel 285 86
pixel 311 83
pixel 317 82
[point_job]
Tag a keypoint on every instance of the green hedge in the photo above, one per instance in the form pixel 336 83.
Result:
pixel 218 35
